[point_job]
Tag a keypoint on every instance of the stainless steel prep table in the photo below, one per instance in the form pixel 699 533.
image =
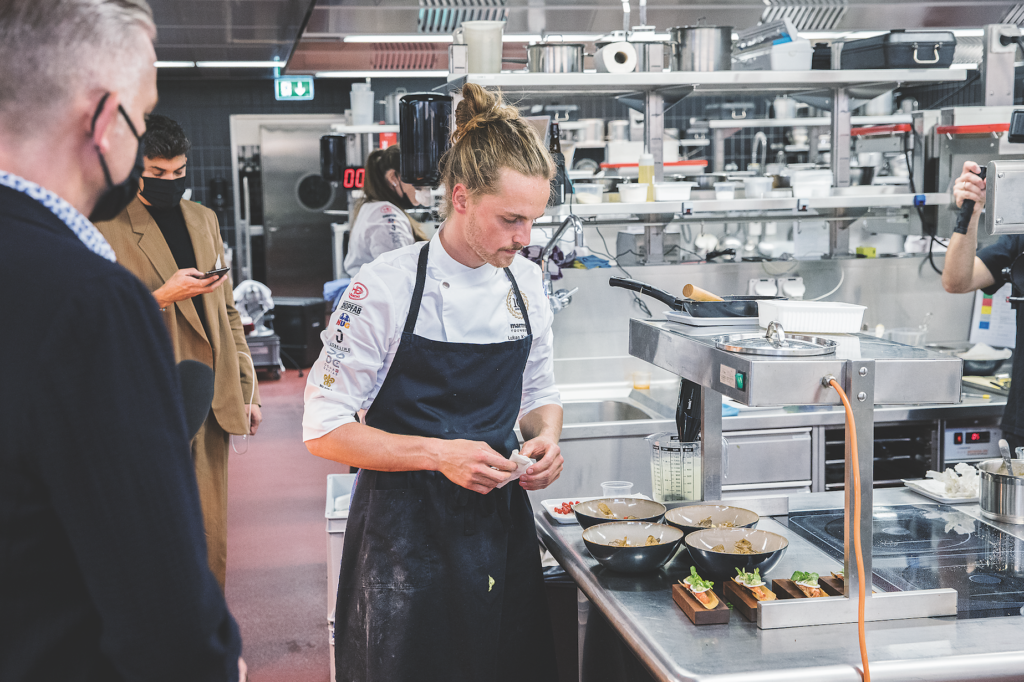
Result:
pixel 640 609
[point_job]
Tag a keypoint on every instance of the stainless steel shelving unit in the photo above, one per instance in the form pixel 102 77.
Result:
pixel 655 93
pixel 871 371
pixel 849 206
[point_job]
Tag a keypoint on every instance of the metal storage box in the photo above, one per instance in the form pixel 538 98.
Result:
pixel 900 50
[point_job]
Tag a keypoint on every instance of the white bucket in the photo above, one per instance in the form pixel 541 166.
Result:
pixel 484 41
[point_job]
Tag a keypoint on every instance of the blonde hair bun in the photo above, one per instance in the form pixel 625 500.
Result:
pixel 479 108
pixel 489 136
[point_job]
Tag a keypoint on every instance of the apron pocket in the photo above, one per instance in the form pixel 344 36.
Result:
pixel 398 546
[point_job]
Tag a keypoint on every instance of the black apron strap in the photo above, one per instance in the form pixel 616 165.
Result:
pixel 417 293
pixel 519 299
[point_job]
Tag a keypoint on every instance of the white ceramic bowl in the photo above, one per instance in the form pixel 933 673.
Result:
pixel 633 192
pixel 673 191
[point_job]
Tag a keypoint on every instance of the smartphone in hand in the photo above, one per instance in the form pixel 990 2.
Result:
pixel 212 273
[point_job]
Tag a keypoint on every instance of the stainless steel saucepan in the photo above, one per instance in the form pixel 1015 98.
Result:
pixel 555 57
pixel 1001 495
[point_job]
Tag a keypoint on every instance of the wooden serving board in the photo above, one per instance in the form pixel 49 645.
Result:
pixel 787 589
pixel 833 586
pixel 742 600
pixel 696 612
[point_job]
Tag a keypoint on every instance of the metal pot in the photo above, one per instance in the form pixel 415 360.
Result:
pixel 1001 496
pixel 702 48
pixel 555 58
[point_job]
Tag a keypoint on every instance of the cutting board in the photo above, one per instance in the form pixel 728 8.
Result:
pixel 742 600
pixel 696 612
pixel 987 385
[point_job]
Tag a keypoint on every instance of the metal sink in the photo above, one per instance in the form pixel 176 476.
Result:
pixel 596 411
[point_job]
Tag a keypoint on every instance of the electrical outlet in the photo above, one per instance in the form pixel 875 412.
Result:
pixel 792 288
pixel 762 287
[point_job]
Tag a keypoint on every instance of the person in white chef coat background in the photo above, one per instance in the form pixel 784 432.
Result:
pixel 447 344
pixel 379 221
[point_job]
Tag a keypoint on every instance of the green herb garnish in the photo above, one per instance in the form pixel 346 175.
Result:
pixel 801 577
pixel 749 578
pixel 697 582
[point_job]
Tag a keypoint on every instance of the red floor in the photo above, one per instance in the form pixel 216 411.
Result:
pixel 277 543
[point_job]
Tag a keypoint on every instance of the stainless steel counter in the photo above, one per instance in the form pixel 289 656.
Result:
pixel 641 611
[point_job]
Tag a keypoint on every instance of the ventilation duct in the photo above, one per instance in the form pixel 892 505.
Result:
pixel 806 15
pixel 444 16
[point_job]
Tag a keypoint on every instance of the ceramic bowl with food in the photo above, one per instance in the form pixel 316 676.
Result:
pixel 695 517
pixel 720 551
pixel 632 546
pixel 609 509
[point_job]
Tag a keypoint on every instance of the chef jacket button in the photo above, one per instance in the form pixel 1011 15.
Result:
pixel 445 284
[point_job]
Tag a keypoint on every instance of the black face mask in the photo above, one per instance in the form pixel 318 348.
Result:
pixel 162 193
pixel 117 196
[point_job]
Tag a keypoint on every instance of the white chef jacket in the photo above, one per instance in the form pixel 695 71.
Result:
pixel 460 305
pixel 380 227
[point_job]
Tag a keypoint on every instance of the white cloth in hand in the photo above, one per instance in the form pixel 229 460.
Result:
pixel 523 463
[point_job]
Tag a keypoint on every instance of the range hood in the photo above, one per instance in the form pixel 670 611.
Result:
pixel 353 34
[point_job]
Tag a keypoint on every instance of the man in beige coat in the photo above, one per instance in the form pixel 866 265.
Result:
pixel 170 244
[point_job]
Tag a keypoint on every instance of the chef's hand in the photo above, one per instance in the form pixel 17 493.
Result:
pixel 473 465
pixel 549 463
pixel 970 186
pixel 186 284
pixel 255 417
pixel 243 670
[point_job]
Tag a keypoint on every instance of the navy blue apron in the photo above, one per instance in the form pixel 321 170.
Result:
pixel 439 582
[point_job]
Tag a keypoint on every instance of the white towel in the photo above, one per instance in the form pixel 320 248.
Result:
pixel 523 464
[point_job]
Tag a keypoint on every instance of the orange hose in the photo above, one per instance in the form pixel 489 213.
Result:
pixel 859 556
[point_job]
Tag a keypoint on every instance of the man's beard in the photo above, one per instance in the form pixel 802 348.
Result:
pixel 499 259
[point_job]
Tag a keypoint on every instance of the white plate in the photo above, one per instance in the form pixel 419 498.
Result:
pixel 549 505
pixel 686 318
pixel 916 486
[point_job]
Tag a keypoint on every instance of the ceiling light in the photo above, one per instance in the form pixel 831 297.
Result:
pixel 175 65
pixel 382 74
pixel 239 65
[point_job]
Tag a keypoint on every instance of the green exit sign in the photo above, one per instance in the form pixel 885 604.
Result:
pixel 293 88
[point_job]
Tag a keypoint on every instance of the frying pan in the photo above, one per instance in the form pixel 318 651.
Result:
pixel 732 306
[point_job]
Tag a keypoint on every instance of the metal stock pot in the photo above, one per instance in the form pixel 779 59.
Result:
pixel 555 58
pixel 1001 496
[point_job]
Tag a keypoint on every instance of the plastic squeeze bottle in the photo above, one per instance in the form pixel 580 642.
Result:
pixel 647 173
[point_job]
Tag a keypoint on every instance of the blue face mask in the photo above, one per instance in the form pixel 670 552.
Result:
pixel 117 196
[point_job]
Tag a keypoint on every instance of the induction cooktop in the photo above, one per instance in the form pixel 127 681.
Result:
pixel 924 547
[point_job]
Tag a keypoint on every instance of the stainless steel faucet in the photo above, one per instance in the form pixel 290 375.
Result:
pixel 761 138
pixel 561 298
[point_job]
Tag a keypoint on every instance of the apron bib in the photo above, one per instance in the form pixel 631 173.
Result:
pixel 439 582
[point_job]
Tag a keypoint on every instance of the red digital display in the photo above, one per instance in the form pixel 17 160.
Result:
pixel 353 178
pixel 979 436
pixel 958 439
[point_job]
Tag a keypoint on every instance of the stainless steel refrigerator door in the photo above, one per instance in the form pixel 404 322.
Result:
pixel 297 233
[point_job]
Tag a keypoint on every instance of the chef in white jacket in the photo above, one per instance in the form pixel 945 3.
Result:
pixel 379 221
pixel 447 344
